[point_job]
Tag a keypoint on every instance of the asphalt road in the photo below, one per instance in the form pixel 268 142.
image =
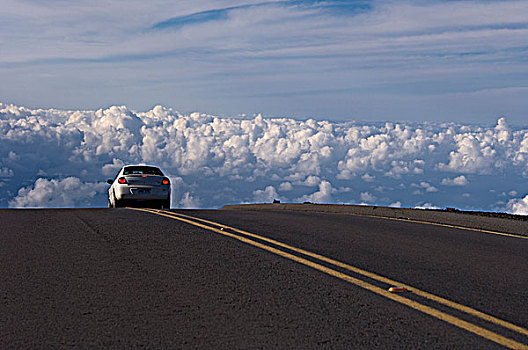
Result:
pixel 127 278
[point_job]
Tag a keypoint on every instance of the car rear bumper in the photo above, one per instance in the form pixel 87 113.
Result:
pixel 141 193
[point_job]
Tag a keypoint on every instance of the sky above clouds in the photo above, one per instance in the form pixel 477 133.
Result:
pixel 462 61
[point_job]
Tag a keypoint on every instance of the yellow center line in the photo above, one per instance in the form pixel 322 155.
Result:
pixel 410 303
pixel 446 225
pixel 513 235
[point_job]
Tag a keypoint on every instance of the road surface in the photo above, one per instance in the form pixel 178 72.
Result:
pixel 249 279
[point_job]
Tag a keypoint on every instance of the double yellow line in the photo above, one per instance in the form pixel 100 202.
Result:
pixel 257 241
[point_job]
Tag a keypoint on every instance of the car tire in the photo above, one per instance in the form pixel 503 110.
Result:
pixel 165 204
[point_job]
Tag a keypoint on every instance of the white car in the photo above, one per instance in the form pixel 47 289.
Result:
pixel 139 185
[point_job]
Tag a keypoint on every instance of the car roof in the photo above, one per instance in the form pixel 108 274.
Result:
pixel 140 165
pixel 147 165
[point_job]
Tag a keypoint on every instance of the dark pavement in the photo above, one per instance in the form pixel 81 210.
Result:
pixel 123 278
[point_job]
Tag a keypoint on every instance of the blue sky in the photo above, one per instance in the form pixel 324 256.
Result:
pixel 463 61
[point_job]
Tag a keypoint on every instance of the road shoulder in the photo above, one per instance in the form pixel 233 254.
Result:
pixel 485 221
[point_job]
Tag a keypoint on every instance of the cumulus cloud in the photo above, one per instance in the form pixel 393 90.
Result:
pixel 428 187
pixel 323 195
pixel 68 192
pixel 470 156
pixel 285 186
pixel 368 178
pixel 311 181
pixel 217 160
pixel 188 201
pixel 112 168
pixel 5 172
pixel 367 197
pixel 457 181
pixel 426 206
pixel 518 206
pixel 266 195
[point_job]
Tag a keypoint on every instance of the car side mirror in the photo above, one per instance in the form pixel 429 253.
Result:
pixel 109 182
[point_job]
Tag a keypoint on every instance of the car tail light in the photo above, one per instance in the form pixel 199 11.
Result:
pixel 165 181
pixel 143 175
pixel 122 180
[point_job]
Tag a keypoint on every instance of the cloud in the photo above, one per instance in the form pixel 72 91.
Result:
pixel 428 187
pixel 5 172
pixel 56 193
pixel 470 157
pixel 324 195
pixel 285 186
pixel 518 206
pixel 311 181
pixel 457 181
pixel 427 206
pixel 113 168
pixel 214 160
pixel 188 201
pixel 367 197
pixel 267 195
pixel 368 178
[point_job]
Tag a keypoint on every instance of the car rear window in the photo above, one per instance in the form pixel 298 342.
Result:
pixel 142 170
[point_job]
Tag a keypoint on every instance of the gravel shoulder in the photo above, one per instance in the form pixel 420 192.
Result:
pixel 498 222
